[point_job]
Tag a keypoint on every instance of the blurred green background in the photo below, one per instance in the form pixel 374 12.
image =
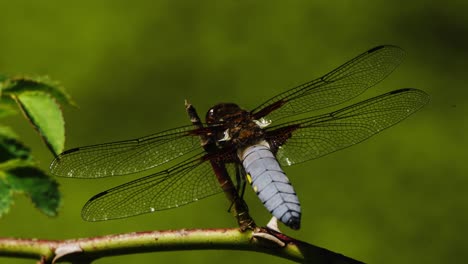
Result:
pixel 400 197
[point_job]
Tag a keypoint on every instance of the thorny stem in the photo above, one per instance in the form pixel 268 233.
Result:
pixel 85 250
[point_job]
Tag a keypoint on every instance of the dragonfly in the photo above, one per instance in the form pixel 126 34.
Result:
pixel 238 145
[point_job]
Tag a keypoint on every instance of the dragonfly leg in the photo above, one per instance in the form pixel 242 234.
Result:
pixel 242 176
pixel 238 179
pixel 230 206
pixel 238 205
pixel 240 185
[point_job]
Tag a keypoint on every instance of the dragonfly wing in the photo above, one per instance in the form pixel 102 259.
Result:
pixel 313 137
pixel 182 184
pixel 338 86
pixel 125 157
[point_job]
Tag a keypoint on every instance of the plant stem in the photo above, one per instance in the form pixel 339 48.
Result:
pixel 85 250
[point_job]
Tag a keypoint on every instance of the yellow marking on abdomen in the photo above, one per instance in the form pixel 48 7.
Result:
pixel 249 179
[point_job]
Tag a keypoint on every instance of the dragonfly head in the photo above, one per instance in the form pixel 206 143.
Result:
pixel 225 113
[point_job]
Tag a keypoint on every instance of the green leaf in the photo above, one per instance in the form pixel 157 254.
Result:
pixel 11 148
pixel 3 80
pixel 6 110
pixel 17 85
pixel 46 116
pixel 16 163
pixel 41 189
pixel 5 196
pixel 17 175
pixel 7 132
pixel 37 98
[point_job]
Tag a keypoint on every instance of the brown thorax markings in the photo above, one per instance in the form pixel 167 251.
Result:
pixel 236 126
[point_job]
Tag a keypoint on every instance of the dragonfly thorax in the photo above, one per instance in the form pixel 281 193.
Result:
pixel 235 125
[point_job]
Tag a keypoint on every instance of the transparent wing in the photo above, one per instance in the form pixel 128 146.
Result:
pixel 182 184
pixel 338 86
pixel 310 138
pixel 125 157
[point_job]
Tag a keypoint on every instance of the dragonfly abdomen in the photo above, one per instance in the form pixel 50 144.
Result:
pixel 271 184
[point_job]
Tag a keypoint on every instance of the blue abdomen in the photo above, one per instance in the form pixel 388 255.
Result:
pixel 271 184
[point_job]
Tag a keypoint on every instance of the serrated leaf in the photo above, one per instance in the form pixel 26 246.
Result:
pixel 46 116
pixel 11 148
pixel 17 85
pixel 5 196
pixel 41 189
